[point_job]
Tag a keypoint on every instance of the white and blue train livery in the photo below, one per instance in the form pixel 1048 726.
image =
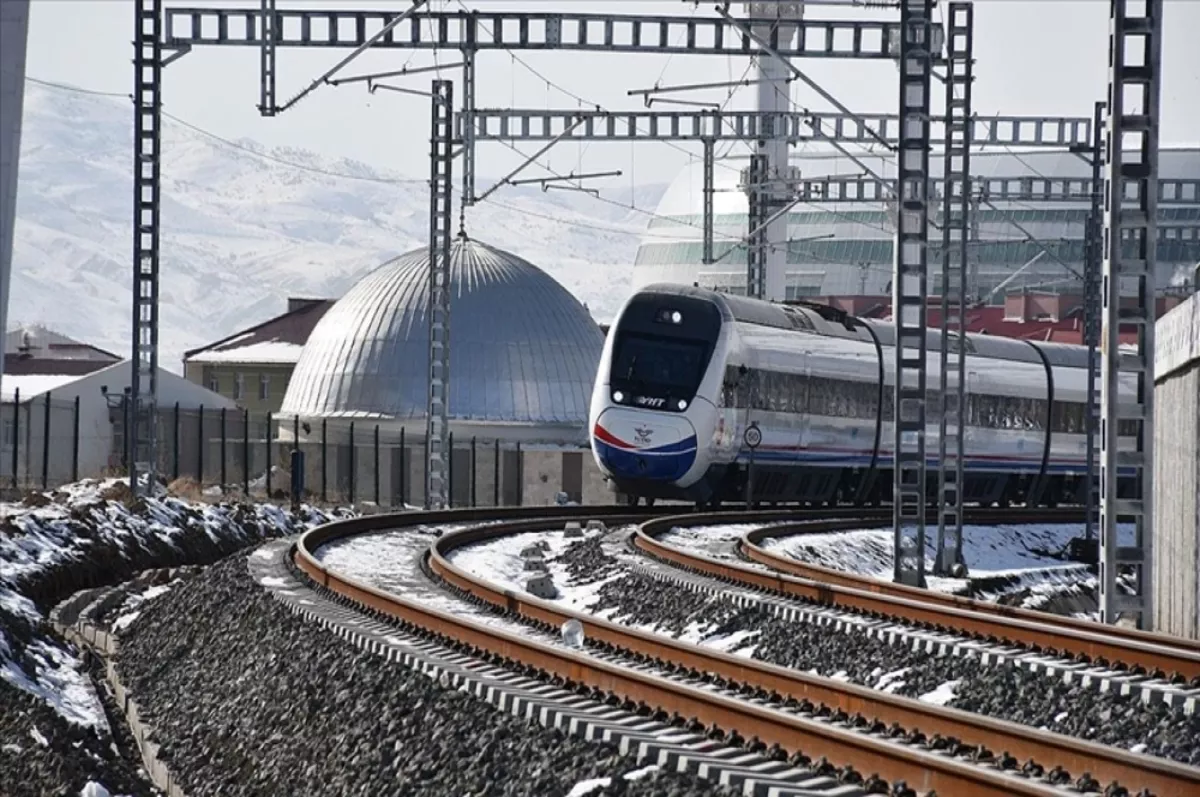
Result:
pixel 685 371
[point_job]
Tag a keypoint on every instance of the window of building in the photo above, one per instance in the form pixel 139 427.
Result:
pixel 6 433
pixel 264 386
pixel 214 383
pixel 239 387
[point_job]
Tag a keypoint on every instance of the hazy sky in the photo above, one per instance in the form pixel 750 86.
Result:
pixel 1047 57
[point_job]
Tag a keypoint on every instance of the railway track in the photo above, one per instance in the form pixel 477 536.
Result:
pixel 928 747
pixel 1143 654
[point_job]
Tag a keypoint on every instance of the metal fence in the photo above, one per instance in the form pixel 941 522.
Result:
pixel 219 452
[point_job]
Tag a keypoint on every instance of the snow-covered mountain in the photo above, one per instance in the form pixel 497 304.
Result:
pixel 242 230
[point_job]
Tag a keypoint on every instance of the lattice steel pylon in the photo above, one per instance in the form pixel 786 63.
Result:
pixel 956 204
pixel 756 245
pixel 142 440
pixel 706 255
pixel 266 58
pixel 1094 252
pixel 441 140
pixel 1130 240
pixel 909 293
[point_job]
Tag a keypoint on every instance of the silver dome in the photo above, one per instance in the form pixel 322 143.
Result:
pixel 522 348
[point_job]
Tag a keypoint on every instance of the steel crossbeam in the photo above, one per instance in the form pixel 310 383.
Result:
pixel 459 30
pixel 529 124
pixel 862 189
pixel 756 247
pixel 909 291
pixel 960 36
pixel 142 439
pixel 1131 158
pixel 437 420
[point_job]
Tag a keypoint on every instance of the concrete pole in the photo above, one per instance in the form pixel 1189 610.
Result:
pixel 774 96
pixel 14 27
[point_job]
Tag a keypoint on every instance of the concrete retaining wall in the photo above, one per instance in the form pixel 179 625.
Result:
pixel 1176 558
pixel 104 645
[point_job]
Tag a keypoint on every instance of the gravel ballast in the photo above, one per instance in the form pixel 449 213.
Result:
pixel 42 753
pixel 248 698
pixel 54 736
pixel 1004 691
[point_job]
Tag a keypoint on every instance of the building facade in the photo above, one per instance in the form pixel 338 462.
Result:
pixel 253 367
pixel 845 248
pixel 63 416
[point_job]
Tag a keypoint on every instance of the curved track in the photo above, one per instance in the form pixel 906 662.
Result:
pixel 876 732
pixel 1139 651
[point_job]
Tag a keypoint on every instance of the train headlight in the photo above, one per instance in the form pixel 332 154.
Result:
pixel 618 396
pixel 669 316
pixel 682 405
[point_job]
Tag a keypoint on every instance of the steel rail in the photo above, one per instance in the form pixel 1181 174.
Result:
pixel 1040 631
pixel 751 546
pixel 1159 775
pixel 920 769
pixel 1096 645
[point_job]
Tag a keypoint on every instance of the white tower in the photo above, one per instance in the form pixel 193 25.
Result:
pixel 774 96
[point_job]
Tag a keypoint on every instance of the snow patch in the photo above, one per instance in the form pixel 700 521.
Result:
pixel 585 787
pixel 942 695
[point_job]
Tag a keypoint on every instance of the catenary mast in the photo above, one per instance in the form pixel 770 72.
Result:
pixel 774 96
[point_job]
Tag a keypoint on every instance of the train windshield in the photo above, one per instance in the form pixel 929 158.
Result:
pixel 654 364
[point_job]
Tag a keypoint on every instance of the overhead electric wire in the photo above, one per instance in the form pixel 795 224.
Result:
pixel 346 176
pixel 573 95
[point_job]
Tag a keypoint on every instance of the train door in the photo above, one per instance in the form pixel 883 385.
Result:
pixel 801 406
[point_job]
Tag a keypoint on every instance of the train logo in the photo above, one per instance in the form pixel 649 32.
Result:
pixel 642 436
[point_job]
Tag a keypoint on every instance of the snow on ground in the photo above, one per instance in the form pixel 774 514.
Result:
pixel 60 681
pixel 942 695
pixel 97 521
pixel 717 542
pixel 1026 559
pixel 591 785
pixel 988 550
pixel 500 562
pixel 130 610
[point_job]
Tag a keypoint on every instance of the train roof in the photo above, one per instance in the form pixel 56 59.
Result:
pixel 824 320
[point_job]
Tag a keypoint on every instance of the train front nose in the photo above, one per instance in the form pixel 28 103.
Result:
pixel 634 444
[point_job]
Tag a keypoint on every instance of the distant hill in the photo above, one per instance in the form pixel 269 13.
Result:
pixel 242 231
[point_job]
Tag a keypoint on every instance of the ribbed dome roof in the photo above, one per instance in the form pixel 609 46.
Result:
pixel 522 348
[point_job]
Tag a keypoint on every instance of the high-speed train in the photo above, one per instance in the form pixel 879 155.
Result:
pixel 686 371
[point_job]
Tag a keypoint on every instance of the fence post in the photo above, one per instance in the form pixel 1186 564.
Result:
pixel 16 459
pixel 324 467
pixel 425 472
pixel 403 470
pixel 46 445
pixel 246 452
pixel 352 464
pixel 200 447
pixel 75 444
pixel 268 436
pixel 520 476
pixel 175 438
pixel 376 464
pixel 496 476
pixel 474 476
pixel 224 453
pixel 297 496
